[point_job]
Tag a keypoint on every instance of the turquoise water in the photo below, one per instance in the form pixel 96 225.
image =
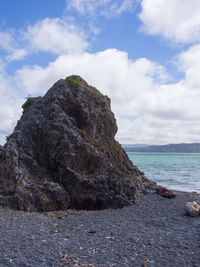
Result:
pixel 175 171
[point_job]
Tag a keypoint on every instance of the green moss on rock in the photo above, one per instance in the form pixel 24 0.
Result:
pixel 76 81
pixel 61 186
pixel 30 101
pixel 8 137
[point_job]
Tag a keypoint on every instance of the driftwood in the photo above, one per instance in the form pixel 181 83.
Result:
pixel 164 192
pixel 192 208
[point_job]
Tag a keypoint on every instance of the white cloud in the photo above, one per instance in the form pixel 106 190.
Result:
pixel 85 6
pixel 9 43
pixel 147 108
pixel 108 8
pixel 2 66
pixel 125 5
pixel 175 20
pixel 99 69
pixel 17 54
pixel 10 107
pixel 6 41
pixel 56 36
pixel 150 129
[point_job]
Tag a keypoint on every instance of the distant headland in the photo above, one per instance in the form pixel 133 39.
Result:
pixel 170 148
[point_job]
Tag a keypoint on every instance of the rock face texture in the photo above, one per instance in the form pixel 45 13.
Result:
pixel 62 154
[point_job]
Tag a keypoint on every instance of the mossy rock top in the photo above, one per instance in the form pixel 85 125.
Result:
pixel 77 81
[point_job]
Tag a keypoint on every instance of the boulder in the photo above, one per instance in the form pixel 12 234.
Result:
pixel 63 154
pixel 164 192
pixel 192 208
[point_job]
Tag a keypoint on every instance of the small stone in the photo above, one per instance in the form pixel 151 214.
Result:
pixel 92 232
pixel 164 192
pixel 144 264
pixel 192 208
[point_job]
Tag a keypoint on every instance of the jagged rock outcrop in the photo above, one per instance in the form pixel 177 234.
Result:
pixel 62 154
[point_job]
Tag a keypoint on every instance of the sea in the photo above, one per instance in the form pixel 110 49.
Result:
pixel 178 171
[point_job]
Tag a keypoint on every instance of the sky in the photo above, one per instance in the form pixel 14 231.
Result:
pixel 143 54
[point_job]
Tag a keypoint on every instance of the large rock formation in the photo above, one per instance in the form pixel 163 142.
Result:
pixel 62 154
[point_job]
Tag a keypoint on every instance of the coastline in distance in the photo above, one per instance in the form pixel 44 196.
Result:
pixel 170 148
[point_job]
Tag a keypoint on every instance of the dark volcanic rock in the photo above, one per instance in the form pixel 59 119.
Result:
pixel 63 154
pixel 1 150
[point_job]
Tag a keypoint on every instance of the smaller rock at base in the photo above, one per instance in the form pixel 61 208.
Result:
pixel 164 192
pixel 192 208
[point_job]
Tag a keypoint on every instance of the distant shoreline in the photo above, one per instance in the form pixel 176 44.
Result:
pixel 141 152
pixel 170 148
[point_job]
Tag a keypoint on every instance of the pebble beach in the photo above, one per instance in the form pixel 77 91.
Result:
pixel 153 232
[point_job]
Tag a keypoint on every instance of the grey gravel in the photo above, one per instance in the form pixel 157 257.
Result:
pixel 153 232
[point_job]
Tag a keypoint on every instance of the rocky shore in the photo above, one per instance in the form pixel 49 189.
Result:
pixel 62 155
pixel 153 232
